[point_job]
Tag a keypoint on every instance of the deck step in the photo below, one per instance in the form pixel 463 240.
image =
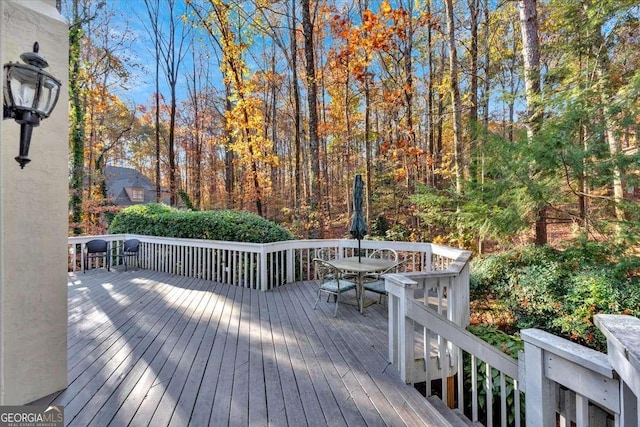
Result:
pixel 466 419
pixel 455 417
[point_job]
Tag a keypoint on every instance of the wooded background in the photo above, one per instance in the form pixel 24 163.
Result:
pixel 470 120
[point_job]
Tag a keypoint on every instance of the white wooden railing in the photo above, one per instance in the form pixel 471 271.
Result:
pixel 563 382
pixel 258 266
pixel 567 382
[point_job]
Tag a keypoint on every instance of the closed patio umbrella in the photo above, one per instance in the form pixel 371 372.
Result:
pixel 358 228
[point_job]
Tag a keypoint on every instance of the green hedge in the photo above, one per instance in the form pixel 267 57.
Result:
pixel 560 291
pixel 227 225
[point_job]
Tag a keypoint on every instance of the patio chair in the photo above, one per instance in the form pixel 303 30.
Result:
pixel 326 254
pixel 384 253
pixel 130 248
pixel 375 282
pixel 96 248
pixel 331 282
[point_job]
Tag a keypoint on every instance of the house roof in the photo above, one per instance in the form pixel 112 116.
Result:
pixel 121 180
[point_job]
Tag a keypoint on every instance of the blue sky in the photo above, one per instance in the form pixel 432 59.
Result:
pixel 132 14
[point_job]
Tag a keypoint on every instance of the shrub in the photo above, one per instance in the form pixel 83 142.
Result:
pixel 509 344
pixel 488 277
pixel 226 225
pixel 494 275
pixel 560 291
pixel 591 292
pixel 535 295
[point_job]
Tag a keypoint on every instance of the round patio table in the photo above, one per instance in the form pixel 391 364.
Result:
pixel 361 267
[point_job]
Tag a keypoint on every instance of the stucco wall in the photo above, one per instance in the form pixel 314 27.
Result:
pixel 33 219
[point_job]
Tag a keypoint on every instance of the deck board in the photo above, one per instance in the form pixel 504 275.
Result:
pixel 90 381
pixel 152 349
pixel 140 368
pixel 331 386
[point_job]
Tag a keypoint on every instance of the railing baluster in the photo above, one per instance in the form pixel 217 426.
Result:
pixel 582 411
pixel 489 394
pixel 444 367
pixel 503 400
pixel 474 388
pixel 516 402
pixel 218 265
pixel 564 410
pixel 427 359
pixel 460 371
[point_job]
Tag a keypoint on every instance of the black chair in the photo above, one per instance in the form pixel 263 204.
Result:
pixel 130 248
pixel 96 248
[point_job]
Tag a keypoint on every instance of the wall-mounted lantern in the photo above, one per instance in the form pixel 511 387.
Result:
pixel 30 94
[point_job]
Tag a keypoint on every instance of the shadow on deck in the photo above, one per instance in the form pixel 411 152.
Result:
pixel 148 348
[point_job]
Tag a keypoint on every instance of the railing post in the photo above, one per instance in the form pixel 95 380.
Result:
pixel 264 276
pixel 291 265
pixel 623 351
pixel 540 396
pixel 400 332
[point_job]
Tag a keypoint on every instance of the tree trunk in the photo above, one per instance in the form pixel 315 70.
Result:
pixel 153 13
pixel 296 106
pixel 172 156
pixel 473 95
pixel 316 231
pixel 229 175
pixel 486 91
pixel 531 56
pixel 196 167
pixel 431 113
pixel 364 5
pixel 455 97
pixel 615 146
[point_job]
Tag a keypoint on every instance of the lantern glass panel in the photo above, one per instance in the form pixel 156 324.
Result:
pixel 8 102
pixel 48 96
pixel 24 85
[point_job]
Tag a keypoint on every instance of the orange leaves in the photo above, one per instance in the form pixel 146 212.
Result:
pixel 370 21
pixel 415 151
pixel 400 174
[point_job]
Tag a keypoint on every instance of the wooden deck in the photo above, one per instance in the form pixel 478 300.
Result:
pixel 147 348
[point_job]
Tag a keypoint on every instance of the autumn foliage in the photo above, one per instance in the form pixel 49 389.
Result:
pixel 442 144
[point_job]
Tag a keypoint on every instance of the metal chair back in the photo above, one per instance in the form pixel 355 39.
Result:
pixel 96 248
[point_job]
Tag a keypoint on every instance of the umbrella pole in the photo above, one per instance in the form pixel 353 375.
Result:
pixel 359 252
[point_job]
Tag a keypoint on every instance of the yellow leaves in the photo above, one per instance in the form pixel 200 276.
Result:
pixel 385 7
pixel 400 174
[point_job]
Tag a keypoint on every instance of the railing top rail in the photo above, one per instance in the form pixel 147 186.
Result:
pixel 250 247
pixel 623 335
pixel 417 275
pixel 400 279
pixel 85 239
pixel 623 346
pixel 574 352
pixel 459 257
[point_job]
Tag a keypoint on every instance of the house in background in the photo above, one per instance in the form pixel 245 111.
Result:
pixel 127 186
